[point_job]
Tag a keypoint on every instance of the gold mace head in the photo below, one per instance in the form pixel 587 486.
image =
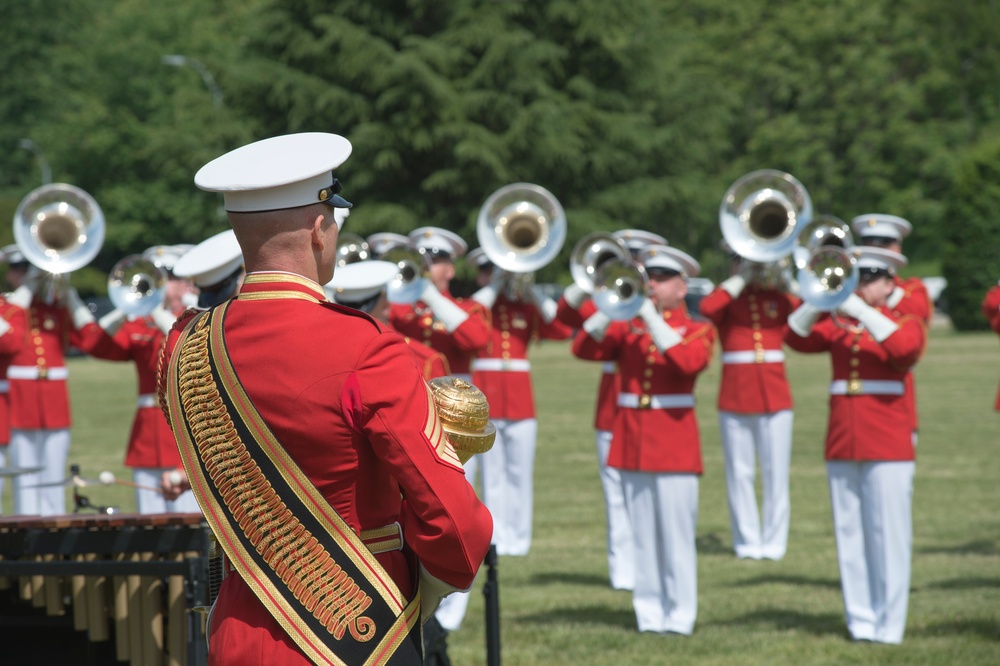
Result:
pixel 464 414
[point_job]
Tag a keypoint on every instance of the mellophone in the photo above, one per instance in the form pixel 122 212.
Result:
pixel 133 579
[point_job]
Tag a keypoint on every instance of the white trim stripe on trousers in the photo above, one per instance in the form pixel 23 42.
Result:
pixel 866 387
pixel 751 356
pixel 501 364
pixel 660 401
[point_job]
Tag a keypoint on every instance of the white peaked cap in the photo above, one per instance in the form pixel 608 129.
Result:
pixel 637 239
pixel 281 172
pixel 478 258
pixel 357 282
pixel 879 224
pixel 664 256
pixel 442 240
pixel 384 241
pixel 12 254
pixel 166 256
pixel 879 258
pixel 211 260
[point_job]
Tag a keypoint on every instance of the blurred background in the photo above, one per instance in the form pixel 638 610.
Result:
pixel 634 113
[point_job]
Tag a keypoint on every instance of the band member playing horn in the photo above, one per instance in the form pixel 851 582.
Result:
pixel 870 450
pixel 47 227
pixel 314 448
pixel 383 241
pixel 13 332
pixel 133 335
pixel 574 307
pixel 656 444
pixel 991 310
pixel 755 406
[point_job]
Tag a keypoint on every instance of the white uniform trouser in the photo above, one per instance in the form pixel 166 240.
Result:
pixel 508 471
pixel 663 509
pixel 49 450
pixel 150 501
pixel 872 521
pixel 747 439
pixel 621 552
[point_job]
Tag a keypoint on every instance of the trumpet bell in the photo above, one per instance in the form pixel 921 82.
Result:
pixel 620 288
pixel 136 285
pixel 521 227
pixel 828 278
pixel 352 248
pixel 59 228
pixel 590 253
pixel 411 278
pixel 762 213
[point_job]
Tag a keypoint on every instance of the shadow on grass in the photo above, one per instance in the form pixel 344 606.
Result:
pixel 817 624
pixel 981 628
pixel 785 579
pixel 965 584
pixel 712 544
pixel 568 578
pixel 980 547
pixel 593 615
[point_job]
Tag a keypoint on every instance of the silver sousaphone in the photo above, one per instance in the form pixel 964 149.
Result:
pixel 521 227
pixel 59 228
pixel 762 214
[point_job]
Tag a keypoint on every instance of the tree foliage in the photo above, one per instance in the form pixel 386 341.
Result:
pixel 634 113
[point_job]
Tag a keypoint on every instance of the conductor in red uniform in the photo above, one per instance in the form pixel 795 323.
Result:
pixel 870 450
pixel 991 310
pixel 656 443
pixel 331 410
pixel 755 406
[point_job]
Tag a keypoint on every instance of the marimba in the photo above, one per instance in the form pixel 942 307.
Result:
pixel 128 579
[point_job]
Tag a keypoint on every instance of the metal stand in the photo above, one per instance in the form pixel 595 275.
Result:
pixel 491 591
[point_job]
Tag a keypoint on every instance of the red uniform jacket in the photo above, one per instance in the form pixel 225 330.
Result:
pixel 430 363
pixel 43 403
pixel 151 442
pixel 516 324
pixel 754 381
pixel 460 346
pixel 916 302
pixel 654 439
pixel 353 412
pixel 607 389
pixel 991 310
pixel 866 426
pixel 11 343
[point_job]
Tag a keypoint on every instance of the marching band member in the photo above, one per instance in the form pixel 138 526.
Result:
pixel 656 444
pixel 574 307
pixel 325 413
pixel 362 286
pixel 991 310
pixel 13 331
pixel 39 396
pixel 215 267
pixel 755 406
pixel 869 443
pixel 503 374
pixel 383 241
pixel 151 449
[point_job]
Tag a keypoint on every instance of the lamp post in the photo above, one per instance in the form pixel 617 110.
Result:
pixel 43 164
pixel 175 60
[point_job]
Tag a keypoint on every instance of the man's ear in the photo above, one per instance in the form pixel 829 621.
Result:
pixel 316 234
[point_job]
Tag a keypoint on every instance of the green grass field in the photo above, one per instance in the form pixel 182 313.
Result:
pixel 556 605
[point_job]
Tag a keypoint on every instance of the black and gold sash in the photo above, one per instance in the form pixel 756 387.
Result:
pixel 301 559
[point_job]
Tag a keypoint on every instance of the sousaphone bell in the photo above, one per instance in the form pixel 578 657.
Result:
pixel 521 227
pixel 620 287
pixel 591 253
pixel 59 228
pixel 762 213
pixel 136 285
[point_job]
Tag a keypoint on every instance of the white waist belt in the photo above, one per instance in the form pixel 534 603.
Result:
pixel 610 368
pixel 4 386
pixel 663 401
pixel 765 356
pixel 501 364
pixel 34 372
pixel 147 400
pixel 866 387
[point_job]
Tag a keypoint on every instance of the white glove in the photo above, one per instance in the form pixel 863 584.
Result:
pixel 487 296
pixel 163 318
pixel 803 319
pixel 445 311
pixel 432 591
pixel 664 337
pixel 734 285
pixel 895 297
pixel 546 306
pixel 575 295
pixel 22 296
pixel 112 321
pixel 597 325
pixel 880 326
pixel 4 326
pixel 78 309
